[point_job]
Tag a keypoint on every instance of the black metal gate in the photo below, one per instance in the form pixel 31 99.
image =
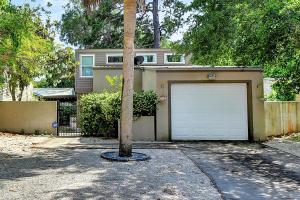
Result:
pixel 67 119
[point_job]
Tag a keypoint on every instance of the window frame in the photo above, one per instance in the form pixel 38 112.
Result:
pixel 80 67
pixel 114 54
pixel 167 62
pixel 148 54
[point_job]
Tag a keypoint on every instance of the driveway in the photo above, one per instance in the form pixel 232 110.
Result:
pixel 247 171
pixel 80 173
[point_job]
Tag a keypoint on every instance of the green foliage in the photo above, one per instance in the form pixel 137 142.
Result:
pixel 103 28
pixel 144 103
pixel 59 69
pixel 24 43
pixel 99 113
pixel 115 83
pixel 249 33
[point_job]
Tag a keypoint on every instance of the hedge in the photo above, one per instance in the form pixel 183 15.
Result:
pixel 99 113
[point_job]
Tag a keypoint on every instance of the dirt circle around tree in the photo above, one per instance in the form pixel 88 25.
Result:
pixel 115 156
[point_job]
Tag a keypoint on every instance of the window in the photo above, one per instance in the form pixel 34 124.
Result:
pixel 174 58
pixel 114 58
pixel 149 58
pixel 86 64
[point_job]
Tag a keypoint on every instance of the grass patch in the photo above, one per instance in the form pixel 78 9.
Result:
pixel 295 138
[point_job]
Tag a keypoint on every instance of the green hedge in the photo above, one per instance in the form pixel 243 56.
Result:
pixel 99 113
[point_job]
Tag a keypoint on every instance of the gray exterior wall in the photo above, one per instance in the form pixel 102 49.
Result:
pixel 85 84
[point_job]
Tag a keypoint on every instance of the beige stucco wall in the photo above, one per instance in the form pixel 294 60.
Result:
pixel 28 117
pixel 162 78
pixel 142 129
pixel 100 83
pixel 149 80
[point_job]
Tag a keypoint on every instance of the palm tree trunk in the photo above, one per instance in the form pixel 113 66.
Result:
pixel 125 148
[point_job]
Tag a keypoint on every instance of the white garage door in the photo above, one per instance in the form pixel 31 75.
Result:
pixel 209 111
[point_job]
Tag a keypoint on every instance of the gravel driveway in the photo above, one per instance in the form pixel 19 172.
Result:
pixel 82 174
pixel 248 171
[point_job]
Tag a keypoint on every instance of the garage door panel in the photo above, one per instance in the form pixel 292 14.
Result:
pixel 209 111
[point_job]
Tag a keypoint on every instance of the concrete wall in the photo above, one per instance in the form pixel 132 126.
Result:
pixel 282 118
pixel 100 83
pixel 28 117
pixel 142 129
pixel 255 77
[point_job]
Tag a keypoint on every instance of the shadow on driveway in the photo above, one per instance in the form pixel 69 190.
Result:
pixel 247 170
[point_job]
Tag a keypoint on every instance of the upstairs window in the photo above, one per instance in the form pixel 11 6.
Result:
pixel 174 58
pixel 149 58
pixel 87 64
pixel 114 58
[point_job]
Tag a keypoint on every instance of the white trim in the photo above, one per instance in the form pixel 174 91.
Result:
pixel 113 54
pixel 166 60
pixel 148 54
pixel 80 66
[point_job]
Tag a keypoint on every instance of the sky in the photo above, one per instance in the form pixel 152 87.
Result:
pixel 57 10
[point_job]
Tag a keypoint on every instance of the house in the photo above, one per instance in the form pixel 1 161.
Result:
pixel 196 102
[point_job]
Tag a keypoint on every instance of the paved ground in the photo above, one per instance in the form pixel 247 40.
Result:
pixel 248 171
pixel 286 144
pixel 71 168
pixel 81 174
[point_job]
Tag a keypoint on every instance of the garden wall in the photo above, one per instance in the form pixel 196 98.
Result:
pixel 28 117
pixel 282 117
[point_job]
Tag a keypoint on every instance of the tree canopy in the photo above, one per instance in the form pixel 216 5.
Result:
pixel 249 33
pixel 103 28
pixel 25 40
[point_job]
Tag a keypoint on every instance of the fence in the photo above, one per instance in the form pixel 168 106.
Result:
pixel 282 118
pixel 38 117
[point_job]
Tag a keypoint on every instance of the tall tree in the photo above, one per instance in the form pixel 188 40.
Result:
pixel 103 28
pixel 59 68
pixel 250 33
pixel 130 7
pixel 24 43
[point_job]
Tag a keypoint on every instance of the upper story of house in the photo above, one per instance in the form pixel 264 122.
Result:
pixel 91 60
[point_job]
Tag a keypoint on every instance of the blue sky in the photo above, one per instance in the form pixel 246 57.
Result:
pixel 57 11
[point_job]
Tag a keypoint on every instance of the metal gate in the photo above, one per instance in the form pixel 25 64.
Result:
pixel 67 119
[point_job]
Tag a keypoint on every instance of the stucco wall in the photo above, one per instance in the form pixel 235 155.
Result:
pixel 255 77
pixel 100 83
pixel 28 117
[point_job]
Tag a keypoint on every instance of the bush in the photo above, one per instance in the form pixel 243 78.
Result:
pixel 99 113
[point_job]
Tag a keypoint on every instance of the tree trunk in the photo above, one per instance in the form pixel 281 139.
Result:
pixel 156 25
pixel 125 148
pixel 21 93
pixel 12 91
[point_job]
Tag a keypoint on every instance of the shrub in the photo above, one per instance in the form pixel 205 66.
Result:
pixel 99 113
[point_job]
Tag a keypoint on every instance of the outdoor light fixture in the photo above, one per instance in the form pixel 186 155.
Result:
pixel 162 98
pixel 138 60
pixel 211 76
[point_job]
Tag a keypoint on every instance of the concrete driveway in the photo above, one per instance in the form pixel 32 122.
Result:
pixel 247 171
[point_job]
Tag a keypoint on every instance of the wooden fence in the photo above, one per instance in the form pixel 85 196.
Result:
pixel 282 117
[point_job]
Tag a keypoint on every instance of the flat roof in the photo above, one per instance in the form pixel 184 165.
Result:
pixel 54 92
pixel 202 68
pixel 188 68
pixel 119 50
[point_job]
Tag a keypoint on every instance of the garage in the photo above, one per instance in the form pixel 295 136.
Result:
pixel 209 111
